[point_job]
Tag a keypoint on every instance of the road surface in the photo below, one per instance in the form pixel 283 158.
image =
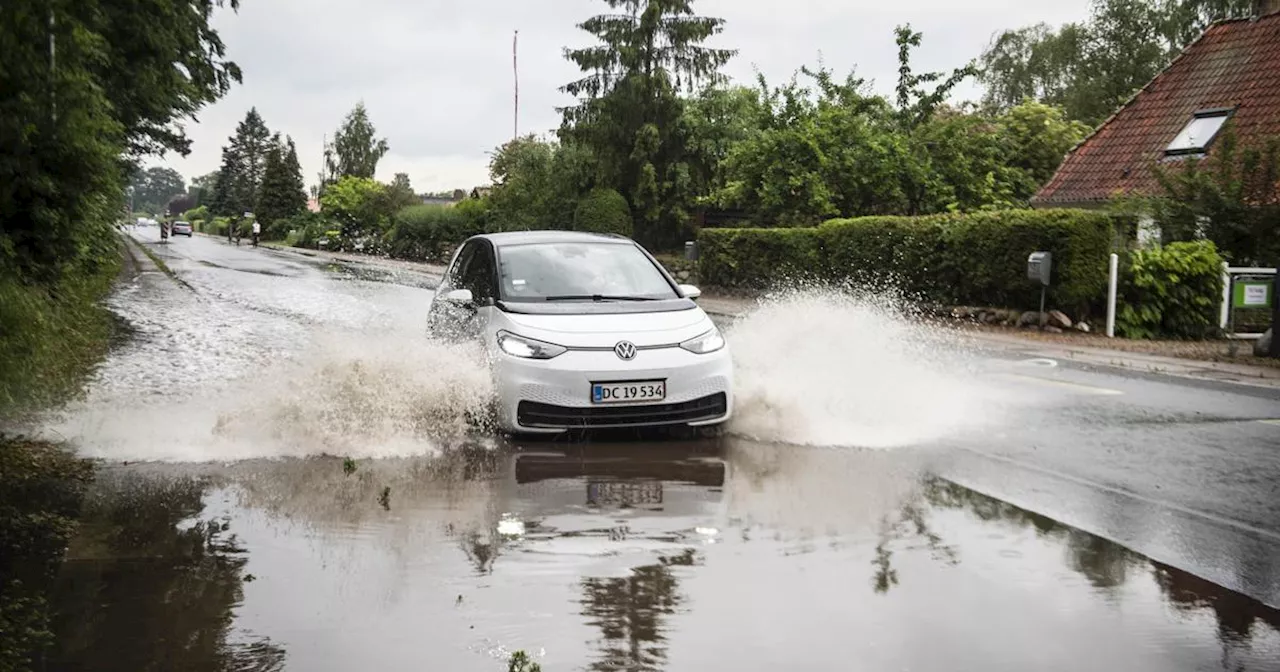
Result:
pixel 289 482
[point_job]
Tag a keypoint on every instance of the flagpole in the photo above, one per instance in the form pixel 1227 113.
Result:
pixel 515 71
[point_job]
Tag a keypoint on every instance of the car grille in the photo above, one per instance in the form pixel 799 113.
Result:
pixel 534 414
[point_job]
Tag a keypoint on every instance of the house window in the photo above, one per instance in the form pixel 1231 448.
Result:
pixel 1199 133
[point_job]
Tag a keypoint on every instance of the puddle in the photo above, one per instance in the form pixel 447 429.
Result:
pixel 681 556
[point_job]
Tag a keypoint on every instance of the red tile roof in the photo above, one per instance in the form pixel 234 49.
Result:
pixel 1234 64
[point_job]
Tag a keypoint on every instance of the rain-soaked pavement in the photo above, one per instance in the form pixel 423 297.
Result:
pixel 289 482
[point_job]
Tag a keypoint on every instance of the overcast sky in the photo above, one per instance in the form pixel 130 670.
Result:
pixel 437 75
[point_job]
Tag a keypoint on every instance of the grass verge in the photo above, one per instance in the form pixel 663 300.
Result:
pixel 52 335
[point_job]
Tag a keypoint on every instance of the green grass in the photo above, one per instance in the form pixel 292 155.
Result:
pixel 51 336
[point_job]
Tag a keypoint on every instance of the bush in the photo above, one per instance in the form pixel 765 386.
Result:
pixel 974 259
pixel 214 227
pixel 603 211
pixel 305 229
pixel 427 232
pixel 757 258
pixel 1174 291
pixel 476 217
pixel 195 215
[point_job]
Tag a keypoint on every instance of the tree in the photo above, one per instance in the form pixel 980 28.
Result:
pixel 225 199
pixel 628 110
pixel 915 104
pixel 281 195
pixel 202 187
pixel 251 143
pixel 244 160
pixel 1092 68
pixel 400 192
pixel 151 189
pixel 359 205
pixel 716 120
pixel 167 63
pixel 355 151
pixel 537 184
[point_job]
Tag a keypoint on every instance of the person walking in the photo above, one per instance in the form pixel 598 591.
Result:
pixel 257 229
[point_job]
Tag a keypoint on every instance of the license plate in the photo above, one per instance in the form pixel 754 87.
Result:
pixel 628 392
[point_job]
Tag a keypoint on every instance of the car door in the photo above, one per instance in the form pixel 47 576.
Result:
pixel 473 270
pixel 481 277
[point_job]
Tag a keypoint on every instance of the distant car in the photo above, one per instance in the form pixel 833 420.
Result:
pixel 182 229
pixel 584 331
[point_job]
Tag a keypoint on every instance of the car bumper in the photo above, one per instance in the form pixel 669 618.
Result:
pixel 548 396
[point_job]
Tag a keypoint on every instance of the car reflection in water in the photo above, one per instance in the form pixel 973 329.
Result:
pixel 640 485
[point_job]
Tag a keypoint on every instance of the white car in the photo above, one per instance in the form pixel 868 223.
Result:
pixel 584 331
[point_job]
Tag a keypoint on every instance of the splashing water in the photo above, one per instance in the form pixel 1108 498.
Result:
pixel 837 368
pixel 345 395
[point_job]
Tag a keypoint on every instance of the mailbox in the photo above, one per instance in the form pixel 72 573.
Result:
pixel 1039 266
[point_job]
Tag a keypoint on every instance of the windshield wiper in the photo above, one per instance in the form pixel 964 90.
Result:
pixel 598 297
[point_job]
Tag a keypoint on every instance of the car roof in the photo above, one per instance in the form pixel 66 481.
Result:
pixel 510 238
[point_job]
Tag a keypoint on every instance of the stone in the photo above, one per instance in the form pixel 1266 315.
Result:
pixel 1083 327
pixel 1029 319
pixel 1262 346
pixel 1059 319
pixel 683 276
pixel 1052 329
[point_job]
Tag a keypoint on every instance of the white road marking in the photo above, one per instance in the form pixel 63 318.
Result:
pixel 1079 387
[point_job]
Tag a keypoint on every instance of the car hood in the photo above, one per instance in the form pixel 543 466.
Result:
pixel 604 331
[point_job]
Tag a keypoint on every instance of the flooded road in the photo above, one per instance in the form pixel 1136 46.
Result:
pixel 289 482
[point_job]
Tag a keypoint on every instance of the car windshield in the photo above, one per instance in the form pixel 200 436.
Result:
pixel 580 272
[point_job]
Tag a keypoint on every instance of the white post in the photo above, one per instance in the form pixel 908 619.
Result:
pixel 1224 315
pixel 1112 283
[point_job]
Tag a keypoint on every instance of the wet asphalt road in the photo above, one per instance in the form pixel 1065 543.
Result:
pixel 1093 520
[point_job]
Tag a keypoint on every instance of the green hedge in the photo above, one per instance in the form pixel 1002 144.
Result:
pixel 1174 291
pixel 975 259
pixel 426 232
pixel 757 258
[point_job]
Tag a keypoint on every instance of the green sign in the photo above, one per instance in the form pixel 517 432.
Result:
pixel 1252 294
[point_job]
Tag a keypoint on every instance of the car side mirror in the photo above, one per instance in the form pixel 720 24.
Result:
pixel 460 297
pixel 690 292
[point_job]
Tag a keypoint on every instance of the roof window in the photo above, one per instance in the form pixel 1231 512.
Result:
pixel 1198 134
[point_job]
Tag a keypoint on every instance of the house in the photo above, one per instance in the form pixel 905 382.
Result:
pixel 1231 74
pixel 481 192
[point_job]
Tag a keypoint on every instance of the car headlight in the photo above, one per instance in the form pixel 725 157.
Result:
pixel 527 348
pixel 706 343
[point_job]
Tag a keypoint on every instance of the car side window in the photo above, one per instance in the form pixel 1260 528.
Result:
pixel 458 274
pixel 479 273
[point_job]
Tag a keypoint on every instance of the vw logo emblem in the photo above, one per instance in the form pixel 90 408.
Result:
pixel 625 350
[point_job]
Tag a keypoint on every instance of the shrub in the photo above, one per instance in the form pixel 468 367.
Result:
pixel 976 259
pixel 306 229
pixel 425 232
pixel 757 258
pixel 476 217
pixel 195 215
pixel 1174 291
pixel 215 227
pixel 603 211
